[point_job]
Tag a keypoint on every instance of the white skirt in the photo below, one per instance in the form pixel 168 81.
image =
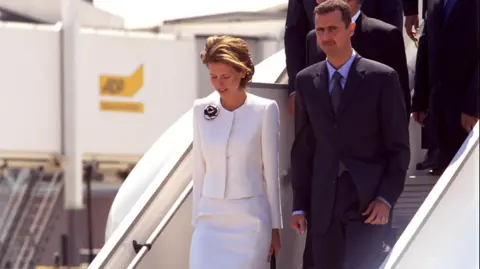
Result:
pixel 231 234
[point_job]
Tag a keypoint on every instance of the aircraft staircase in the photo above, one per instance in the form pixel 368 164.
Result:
pixel 149 222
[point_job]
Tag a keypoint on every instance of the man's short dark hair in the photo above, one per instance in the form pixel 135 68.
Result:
pixel 334 5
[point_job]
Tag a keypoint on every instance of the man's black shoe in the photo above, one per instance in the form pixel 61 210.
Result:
pixel 437 171
pixel 430 160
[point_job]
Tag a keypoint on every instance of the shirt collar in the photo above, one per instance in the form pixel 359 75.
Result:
pixel 355 17
pixel 344 69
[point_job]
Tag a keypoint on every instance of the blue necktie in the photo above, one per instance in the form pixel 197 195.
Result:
pixel 448 8
pixel 336 93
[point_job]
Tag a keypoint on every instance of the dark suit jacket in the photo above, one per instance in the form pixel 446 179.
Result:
pixel 374 40
pixel 389 11
pixel 300 21
pixel 369 135
pixel 410 7
pixel 448 55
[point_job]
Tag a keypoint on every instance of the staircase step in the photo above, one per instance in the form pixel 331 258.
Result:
pixel 417 187
pixel 412 199
pixel 421 179
pixel 405 211
pixel 414 194
pixel 415 206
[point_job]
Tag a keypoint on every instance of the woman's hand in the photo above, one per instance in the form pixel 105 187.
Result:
pixel 275 244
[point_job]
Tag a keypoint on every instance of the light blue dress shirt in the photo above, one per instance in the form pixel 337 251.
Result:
pixel 343 70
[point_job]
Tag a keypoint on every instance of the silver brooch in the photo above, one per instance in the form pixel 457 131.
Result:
pixel 210 112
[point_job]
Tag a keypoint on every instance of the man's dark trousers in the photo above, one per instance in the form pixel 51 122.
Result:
pixel 364 246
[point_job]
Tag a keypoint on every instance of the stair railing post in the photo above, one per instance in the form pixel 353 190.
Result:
pixel 64 249
pixel 91 170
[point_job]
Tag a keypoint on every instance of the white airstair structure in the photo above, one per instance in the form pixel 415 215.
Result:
pixel 149 222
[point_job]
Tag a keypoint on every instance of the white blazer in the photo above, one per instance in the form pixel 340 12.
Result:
pixel 235 154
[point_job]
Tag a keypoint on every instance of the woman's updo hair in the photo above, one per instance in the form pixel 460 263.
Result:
pixel 232 51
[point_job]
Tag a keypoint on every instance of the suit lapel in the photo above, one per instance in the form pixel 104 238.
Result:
pixel 321 88
pixel 354 79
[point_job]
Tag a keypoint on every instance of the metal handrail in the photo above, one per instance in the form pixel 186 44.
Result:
pixel 7 235
pixel 58 190
pixel 27 243
pixel 166 174
pixel 432 202
pixel 6 227
pixel 5 213
pixel 51 187
pixel 12 203
pixel 12 190
pixel 9 212
pixel 33 238
pixel 156 233
pixel 20 216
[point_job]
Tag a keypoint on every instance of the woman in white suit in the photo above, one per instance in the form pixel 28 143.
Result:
pixel 236 200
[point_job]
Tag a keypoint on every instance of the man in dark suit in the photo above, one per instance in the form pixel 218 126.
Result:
pixel 350 154
pixel 374 40
pixel 387 11
pixel 447 74
pixel 300 21
pixel 412 23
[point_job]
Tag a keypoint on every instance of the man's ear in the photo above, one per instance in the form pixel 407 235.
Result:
pixel 351 28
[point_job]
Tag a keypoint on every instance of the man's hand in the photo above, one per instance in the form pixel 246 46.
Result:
pixel 419 117
pixel 411 26
pixel 378 212
pixel 291 104
pixel 468 122
pixel 299 223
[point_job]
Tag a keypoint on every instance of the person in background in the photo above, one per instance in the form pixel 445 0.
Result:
pixel 412 19
pixel 446 92
pixel 351 149
pixel 300 21
pixel 412 24
pixel 389 11
pixel 374 40
pixel 236 208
